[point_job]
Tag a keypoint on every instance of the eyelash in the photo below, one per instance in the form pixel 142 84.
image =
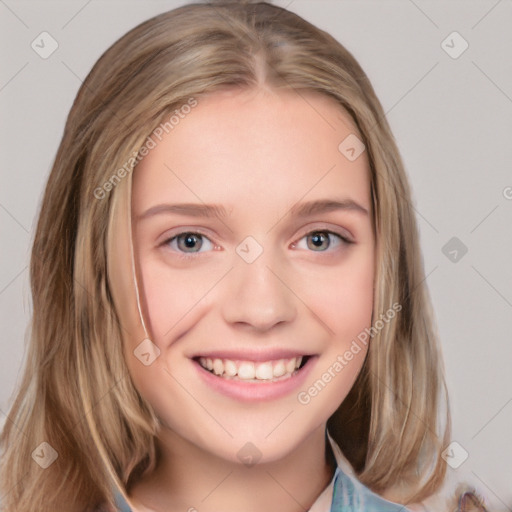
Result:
pixel 188 256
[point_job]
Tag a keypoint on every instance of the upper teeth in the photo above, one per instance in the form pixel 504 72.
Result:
pixel 249 370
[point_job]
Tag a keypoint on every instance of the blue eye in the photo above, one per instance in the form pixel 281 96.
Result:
pixel 321 240
pixel 189 242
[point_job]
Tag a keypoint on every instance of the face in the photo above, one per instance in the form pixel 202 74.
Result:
pixel 254 250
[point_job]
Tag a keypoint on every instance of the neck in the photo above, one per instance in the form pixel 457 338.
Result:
pixel 189 479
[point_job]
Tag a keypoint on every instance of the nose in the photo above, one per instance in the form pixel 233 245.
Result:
pixel 258 296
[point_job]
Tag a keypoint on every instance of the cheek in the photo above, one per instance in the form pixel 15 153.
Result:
pixel 171 293
pixel 342 297
pixel 343 300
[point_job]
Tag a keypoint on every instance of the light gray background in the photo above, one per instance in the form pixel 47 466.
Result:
pixel 452 119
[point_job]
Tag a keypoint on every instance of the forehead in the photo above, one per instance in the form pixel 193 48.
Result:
pixel 254 147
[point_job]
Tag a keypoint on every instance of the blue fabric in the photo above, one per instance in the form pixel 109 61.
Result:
pixel 349 495
pixel 121 504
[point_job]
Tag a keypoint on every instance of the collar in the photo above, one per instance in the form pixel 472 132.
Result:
pixel 324 501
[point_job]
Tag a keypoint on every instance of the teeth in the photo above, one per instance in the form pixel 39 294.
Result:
pixel 264 371
pixel 279 369
pixel 248 370
pixel 218 367
pixel 230 368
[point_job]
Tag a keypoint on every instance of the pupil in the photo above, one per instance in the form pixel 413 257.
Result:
pixel 190 241
pixel 318 239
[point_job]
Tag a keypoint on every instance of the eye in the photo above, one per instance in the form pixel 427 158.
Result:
pixel 189 242
pixel 321 241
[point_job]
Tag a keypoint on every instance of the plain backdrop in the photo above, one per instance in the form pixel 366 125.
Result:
pixel 450 111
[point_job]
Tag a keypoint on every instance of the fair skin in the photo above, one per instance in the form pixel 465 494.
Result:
pixel 247 442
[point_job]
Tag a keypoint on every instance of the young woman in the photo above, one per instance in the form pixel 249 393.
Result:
pixel 229 301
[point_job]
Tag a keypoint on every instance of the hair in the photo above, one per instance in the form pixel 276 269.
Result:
pixel 76 393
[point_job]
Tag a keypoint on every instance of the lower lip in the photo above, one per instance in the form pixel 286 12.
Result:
pixel 256 391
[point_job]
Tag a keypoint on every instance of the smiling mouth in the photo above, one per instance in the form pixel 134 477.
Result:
pixel 253 371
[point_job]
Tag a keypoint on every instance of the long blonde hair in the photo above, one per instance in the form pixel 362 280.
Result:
pixel 76 393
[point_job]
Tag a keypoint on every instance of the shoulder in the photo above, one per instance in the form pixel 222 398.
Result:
pixel 453 495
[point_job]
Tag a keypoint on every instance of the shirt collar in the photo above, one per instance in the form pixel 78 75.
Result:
pixel 324 501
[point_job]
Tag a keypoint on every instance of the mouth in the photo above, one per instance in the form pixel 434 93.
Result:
pixel 275 370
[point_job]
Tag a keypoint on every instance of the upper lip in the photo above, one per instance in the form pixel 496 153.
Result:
pixel 251 355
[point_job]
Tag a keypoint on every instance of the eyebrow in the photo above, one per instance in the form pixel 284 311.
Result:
pixel 213 210
pixel 190 209
pixel 326 205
